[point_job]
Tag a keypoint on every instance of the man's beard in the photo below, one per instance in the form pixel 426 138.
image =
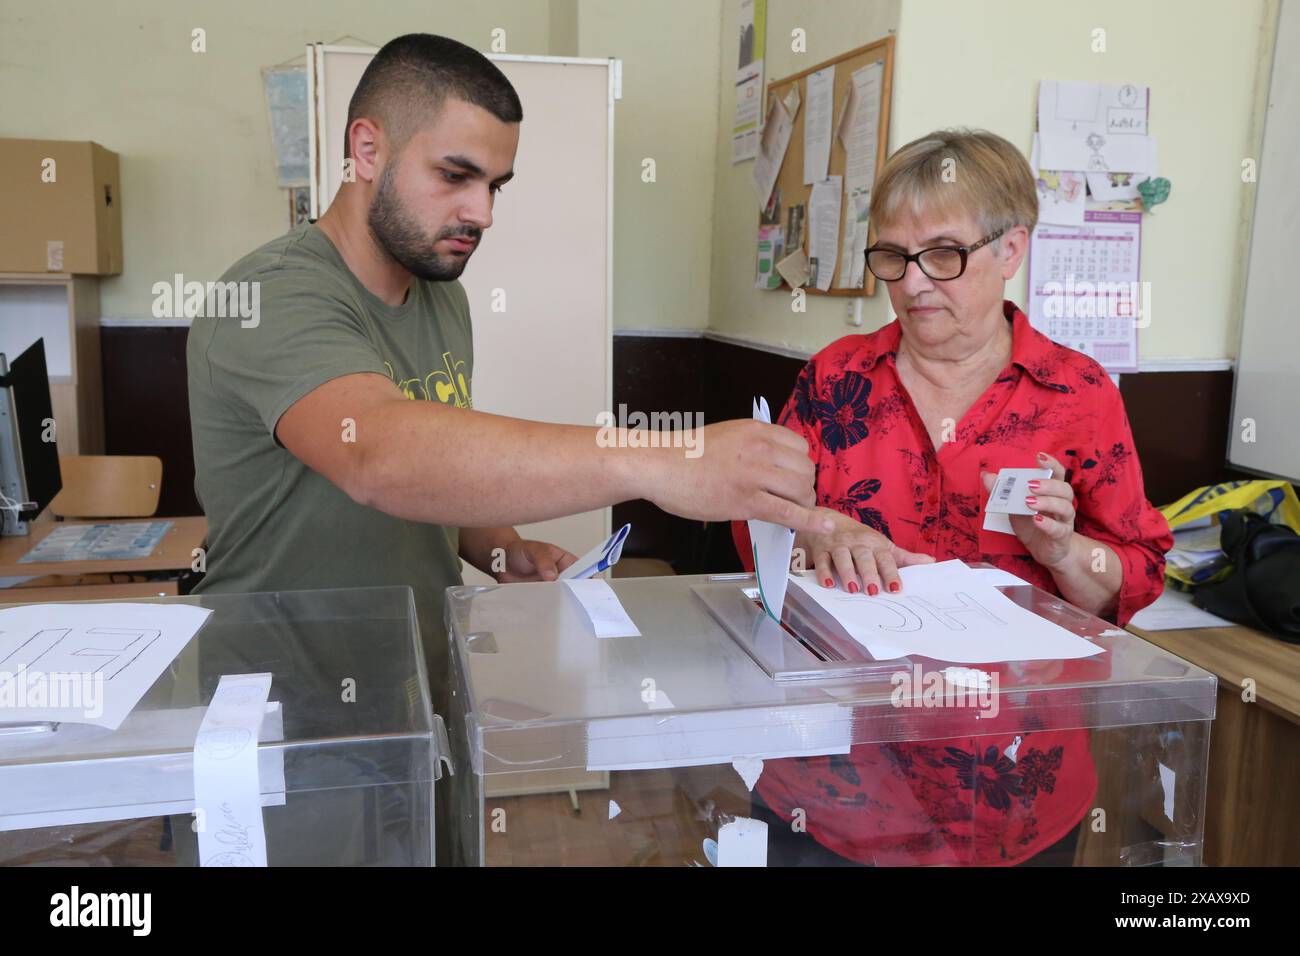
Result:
pixel 401 238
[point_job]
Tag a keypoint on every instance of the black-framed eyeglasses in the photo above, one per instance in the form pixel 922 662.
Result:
pixel 940 263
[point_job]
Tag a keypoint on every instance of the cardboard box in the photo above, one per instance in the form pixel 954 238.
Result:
pixel 61 205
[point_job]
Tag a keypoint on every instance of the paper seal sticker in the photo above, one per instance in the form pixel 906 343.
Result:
pixel 742 842
pixel 661 701
pixel 1168 781
pixel 54 255
pixel 227 790
pixel 749 768
pixel 969 677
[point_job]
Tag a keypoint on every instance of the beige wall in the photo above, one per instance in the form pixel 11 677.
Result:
pixel 198 180
pixel 199 189
pixel 669 113
pixel 978 64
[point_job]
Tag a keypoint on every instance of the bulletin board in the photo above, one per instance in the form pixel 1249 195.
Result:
pixel 790 179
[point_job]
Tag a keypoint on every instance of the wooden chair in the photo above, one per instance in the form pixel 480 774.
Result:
pixel 108 486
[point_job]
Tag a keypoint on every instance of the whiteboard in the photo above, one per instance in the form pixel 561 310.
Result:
pixel 548 356
pixel 1266 389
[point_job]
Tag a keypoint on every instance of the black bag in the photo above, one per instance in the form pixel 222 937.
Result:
pixel 1263 589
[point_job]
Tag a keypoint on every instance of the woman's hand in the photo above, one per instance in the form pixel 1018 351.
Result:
pixel 1049 534
pixel 863 557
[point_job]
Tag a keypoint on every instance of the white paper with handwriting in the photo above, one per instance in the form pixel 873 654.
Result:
pixel 227 791
pixel 947 612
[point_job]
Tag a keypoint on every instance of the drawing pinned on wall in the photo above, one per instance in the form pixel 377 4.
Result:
pixel 1062 194
pixel 1094 127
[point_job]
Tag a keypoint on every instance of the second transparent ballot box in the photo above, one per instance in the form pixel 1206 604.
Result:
pixel 720 737
pixel 347 753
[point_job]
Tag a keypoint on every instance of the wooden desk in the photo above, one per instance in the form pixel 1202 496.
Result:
pixel 127 591
pixel 1252 806
pixel 174 551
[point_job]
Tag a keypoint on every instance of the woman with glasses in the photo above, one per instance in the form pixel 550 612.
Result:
pixel 908 426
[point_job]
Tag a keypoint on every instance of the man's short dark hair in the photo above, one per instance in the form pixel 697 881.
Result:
pixel 410 78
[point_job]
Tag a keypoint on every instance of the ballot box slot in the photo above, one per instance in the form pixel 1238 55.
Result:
pixel 806 644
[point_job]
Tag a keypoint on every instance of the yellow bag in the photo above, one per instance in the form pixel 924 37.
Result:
pixel 1274 499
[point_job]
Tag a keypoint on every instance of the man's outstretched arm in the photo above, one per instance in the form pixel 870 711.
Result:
pixel 425 461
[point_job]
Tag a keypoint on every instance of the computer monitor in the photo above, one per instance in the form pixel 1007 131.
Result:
pixel 29 458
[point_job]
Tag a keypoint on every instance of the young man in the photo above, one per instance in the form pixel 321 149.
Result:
pixel 315 467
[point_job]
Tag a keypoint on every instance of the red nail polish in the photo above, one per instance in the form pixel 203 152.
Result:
pixel 893 586
pixel 1031 500
pixel 1039 518
pixel 1033 485
pixel 873 590
pixel 853 587
pixel 830 583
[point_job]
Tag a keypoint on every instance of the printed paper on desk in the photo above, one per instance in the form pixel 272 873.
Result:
pixel 1093 127
pixel 772 547
pixel 227 786
pixel 87 663
pixel 604 609
pixel 948 613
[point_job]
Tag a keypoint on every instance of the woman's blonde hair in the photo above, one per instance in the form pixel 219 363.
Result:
pixel 955 171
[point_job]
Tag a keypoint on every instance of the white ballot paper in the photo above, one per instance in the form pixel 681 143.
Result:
pixel 946 612
pixel 600 558
pixel 604 609
pixel 227 788
pixel 1007 498
pixel 87 663
pixel 1174 610
pixel 772 547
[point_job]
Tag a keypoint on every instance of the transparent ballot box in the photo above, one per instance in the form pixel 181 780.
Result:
pixel 347 755
pixel 720 737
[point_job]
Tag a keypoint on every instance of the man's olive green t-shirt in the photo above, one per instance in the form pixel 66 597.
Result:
pixel 273 523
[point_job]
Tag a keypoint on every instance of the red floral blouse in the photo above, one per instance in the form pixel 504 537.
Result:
pixel 984 800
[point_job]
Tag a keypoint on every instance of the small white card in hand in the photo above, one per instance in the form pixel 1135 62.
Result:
pixel 772 545
pixel 604 609
pixel 1010 489
pixel 600 558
